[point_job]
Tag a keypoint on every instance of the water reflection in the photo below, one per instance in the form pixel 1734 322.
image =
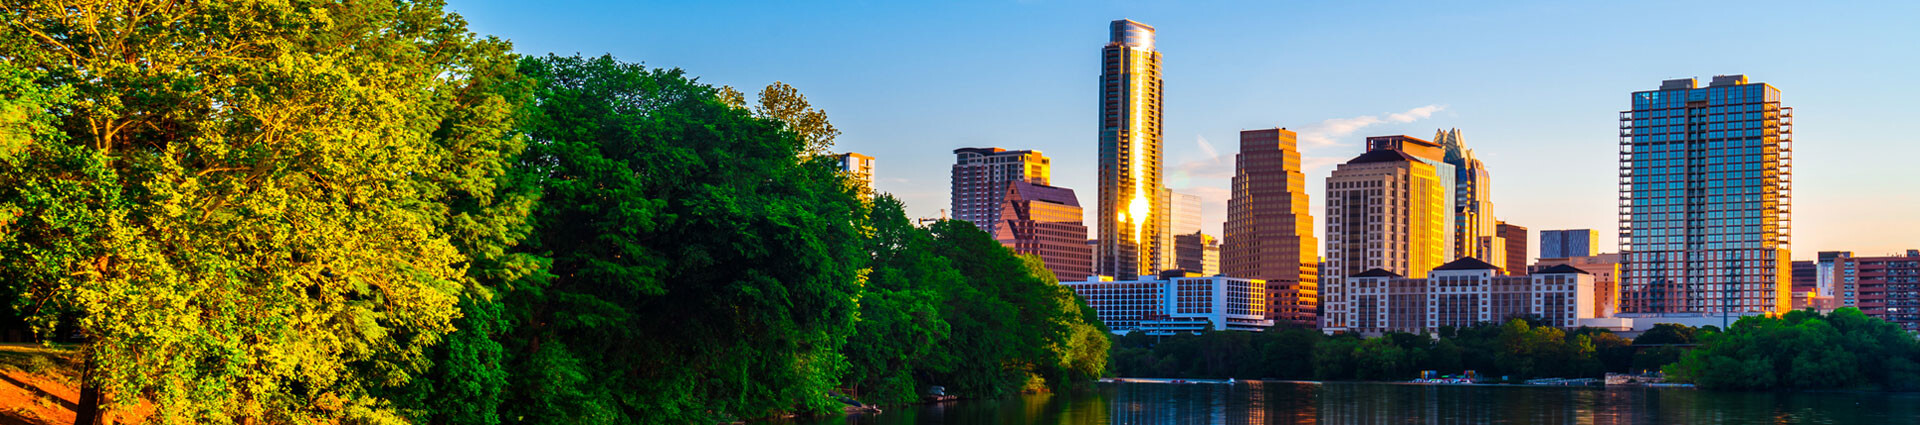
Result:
pixel 1374 403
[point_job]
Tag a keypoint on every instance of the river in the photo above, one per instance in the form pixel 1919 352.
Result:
pixel 1385 403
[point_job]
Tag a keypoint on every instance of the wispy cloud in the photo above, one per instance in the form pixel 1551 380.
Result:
pixel 1208 149
pixel 1329 132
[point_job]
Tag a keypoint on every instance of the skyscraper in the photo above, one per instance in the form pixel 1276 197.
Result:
pixel 1179 214
pixel 1269 233
pixel 1516 246
pixel 1386 210
pixel 1130 161
pixel 1472 196
pixel 1569 243
pixel 1045 221
pixel 1435 155
pixel 1705 178
pixel 980 177
pixel 860 168
pixel 1198 253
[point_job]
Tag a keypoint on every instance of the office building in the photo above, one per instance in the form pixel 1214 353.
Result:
pixel 1269 232
pixel 1385 210
pixel 1130 160
pixel 1435 155
pixel 1604 268
pixel 860 170
pixel 1828 280
pixel 1515 239
pixel 1472 196
pixel 1705 206
pixel 1463 293
pixel 1198 252
pixel 980 178
pixel 1045 221
pixel 1569 243
pixel 1177 303
pixel 1887 287
pixel 1179 214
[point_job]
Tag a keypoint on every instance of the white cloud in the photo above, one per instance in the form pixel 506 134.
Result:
pixel 1328 133
pixel 1208 149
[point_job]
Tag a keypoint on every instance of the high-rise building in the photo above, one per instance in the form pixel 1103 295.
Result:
pixel 860 168
pixel 1269 232
pixel 980 177
pixel 1569 243
pixel 1435 155
pixel 1045 221
pixel 1198 253
pixel 1606 287
pixel 1385 210
pixel 1472 196
pixel 1705 183
pixel 1516 245
pixel 1130 161
pixel 1179 214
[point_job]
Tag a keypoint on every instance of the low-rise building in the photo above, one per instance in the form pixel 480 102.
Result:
pixel 1177 302
pixel 1463 293
pixel 1606 290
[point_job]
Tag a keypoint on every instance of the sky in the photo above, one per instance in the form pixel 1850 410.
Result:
pixel 1535 87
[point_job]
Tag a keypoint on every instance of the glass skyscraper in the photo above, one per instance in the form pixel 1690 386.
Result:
pixel 1130 161
pixel 1705 196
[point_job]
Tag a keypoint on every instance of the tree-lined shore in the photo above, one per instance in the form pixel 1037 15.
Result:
pixel 359 211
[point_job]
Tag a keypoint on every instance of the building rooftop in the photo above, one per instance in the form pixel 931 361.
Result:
pixel 1384 155
pixel 1377 273
pixel 1467 263
pixel 1044 193
pixel 1561 268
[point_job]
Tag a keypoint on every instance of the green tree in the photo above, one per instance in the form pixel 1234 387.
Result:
pixel 254 211
pixel 782 102
pixel 703 266
pixel 900 314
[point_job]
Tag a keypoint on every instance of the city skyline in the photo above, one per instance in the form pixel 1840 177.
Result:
pixel 1540 117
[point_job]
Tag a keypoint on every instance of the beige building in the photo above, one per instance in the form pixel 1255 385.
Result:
pixel 860 168
pixel 1462 293
pixel 1603 267
pixel 980 178
pixel 1385 210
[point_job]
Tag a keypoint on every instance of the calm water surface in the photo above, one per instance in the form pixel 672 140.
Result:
pixel 1380 403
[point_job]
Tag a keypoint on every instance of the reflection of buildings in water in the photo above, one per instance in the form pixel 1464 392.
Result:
pixel 1172 404
pixel 1255 412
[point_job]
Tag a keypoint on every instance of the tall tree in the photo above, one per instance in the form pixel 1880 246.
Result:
pixel 258 211
pixel 784 103
pixel 702 267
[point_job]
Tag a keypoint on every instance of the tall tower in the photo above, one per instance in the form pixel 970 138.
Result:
pixel 980 178
pixel 1130 99
pixel 1472 196
pixel 1705 198
pixel 1386 210
pixel 1269 233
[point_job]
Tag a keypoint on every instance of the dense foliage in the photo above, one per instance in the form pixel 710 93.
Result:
pixel 1805 350
pixel 1515 349
pixel 247 210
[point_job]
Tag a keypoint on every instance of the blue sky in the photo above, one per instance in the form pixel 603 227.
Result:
pixel 1535 87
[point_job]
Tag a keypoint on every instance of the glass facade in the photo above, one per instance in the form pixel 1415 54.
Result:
pixel 1705 178
pixel 1130 162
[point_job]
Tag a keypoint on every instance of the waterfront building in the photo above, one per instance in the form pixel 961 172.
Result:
pixel 1472 196
pixel 1604 267
pixel 1386 210
pixel 1130 159
pixel 1198 252
pixel 1705 204
pixel 859 168
pixel 1569 243
pixel 1269 232
pixel 1463 293
pixel 1045 221
pixel 1887 287
pixel 980 178
pixel 1514 238
pixel 1177 302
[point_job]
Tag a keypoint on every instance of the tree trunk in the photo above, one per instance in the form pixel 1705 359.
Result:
pixel 87 411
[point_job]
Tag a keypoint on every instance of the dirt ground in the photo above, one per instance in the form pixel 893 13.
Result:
pixel 38 387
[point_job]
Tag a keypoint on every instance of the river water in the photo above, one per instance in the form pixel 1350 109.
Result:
pixel 1384 403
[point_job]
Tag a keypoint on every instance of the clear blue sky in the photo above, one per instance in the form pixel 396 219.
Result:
pixel 1535 87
